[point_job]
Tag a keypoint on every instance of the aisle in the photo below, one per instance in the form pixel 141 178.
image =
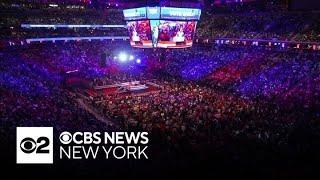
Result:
pixel 96 115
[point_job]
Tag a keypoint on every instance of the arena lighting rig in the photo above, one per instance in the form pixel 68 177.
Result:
pixel 123 57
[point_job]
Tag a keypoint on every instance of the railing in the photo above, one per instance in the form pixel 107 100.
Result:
pixel 77 38
pixel 272 43
pixel 71 26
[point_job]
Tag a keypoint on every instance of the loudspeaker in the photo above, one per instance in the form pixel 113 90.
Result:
pixel 103 60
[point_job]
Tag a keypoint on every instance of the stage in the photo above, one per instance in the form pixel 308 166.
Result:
pixel 133 88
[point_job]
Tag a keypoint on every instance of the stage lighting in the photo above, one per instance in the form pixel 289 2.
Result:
pixel 123 57
pixel 138 61
pixel 131 58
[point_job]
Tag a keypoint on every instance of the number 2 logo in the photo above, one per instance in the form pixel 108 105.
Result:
pixel 29 145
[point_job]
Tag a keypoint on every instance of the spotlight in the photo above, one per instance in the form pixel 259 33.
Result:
pixel 123 57
pixel 131 58
pixel 138 61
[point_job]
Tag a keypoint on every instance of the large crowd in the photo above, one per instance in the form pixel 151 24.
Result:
pixel 12 18
pixel 209 97
pixel 31 95
pixel 284 26
pixel 197 100
pixel 270 24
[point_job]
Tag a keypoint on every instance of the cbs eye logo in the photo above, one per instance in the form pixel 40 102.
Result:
pixel 34 145
pixel 29 145
pixel 65 137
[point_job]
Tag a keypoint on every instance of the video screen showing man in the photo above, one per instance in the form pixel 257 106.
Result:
pixel 140 33
pixel 176 34
pixel 155 32
pixel 179 37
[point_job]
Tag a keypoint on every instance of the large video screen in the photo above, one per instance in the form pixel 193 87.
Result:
pixel 163 27
pixel 176 34
pixel 153 12
pixel 140 33
pixel 180 13
pixel 135 13
pixel 161 33
pixel 156 12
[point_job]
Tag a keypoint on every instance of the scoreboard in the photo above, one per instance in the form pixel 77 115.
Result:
pixel 161 27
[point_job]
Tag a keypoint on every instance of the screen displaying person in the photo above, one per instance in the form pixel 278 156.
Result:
pixel 155 33
pixel 135 36
pixel 179 37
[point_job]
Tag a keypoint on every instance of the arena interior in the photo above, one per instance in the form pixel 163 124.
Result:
pixel 231 92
